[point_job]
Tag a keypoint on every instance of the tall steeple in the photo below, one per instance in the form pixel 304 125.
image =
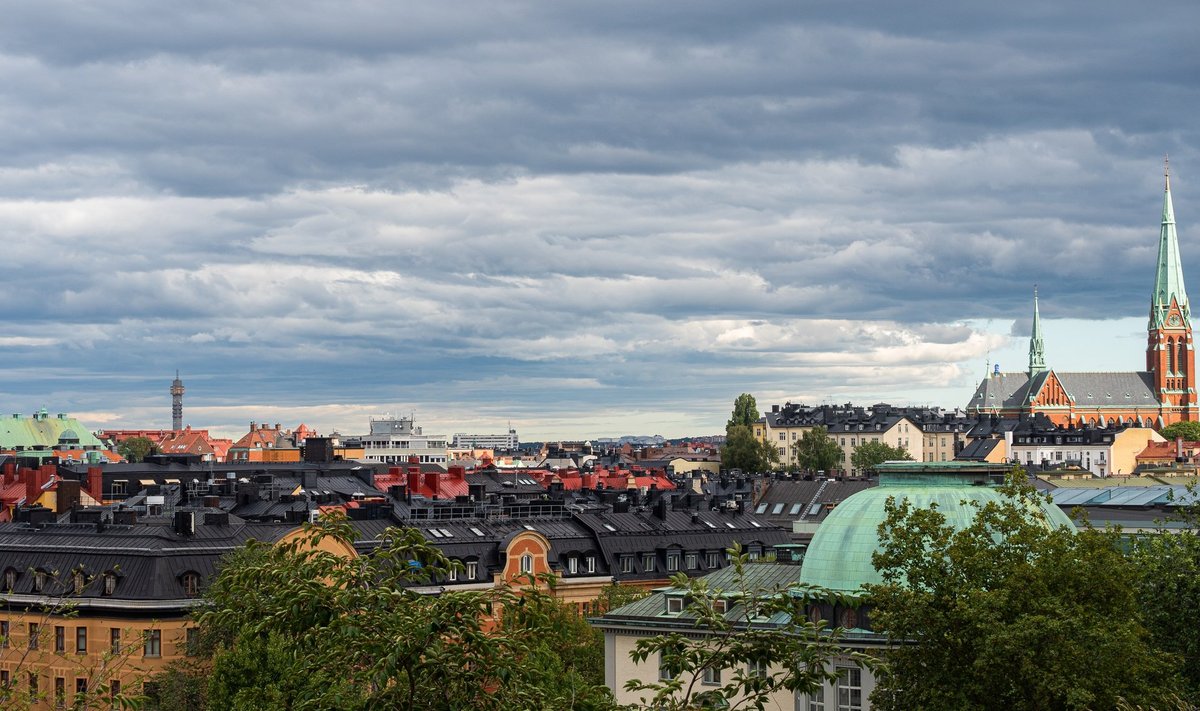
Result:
pixel 1168 276
pixel 1037 348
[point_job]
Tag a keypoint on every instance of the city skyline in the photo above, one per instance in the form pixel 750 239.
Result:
pixel 586 221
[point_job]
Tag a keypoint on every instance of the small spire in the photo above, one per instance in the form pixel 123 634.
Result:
pixel 1037 347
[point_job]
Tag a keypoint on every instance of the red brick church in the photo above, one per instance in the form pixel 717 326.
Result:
pixel 1163 393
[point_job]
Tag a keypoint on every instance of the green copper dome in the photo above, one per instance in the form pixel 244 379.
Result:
pixel 839 557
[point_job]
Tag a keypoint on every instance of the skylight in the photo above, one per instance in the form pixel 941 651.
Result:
pixel 476 531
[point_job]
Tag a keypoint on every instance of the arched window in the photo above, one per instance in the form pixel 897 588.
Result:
pixel 526 563
pixel 849 618
pixel 191 583
pixel 814 615
pixel 1181 357
pixel 1170 355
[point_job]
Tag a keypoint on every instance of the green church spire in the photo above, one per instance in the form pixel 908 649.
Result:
pixel 1037 348
pixel 1168 278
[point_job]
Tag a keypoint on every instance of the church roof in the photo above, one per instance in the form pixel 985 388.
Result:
pixel 1087 390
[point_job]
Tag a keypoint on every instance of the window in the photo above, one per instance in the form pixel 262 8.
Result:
pixel 79 581
pixel 690 561
pixel 192 641
pixel 472 569
pixel 452 575
pixel 783 436
pixel 4 682
pixel 80 688
pixel 34 633
pixel 33 686
pixel 849 618
pixel 648 563
pixel 60 692
pixel 762 509
pixel 757 669
pixel 849 689
pixel 153 647
pixel 626 564
pixel 720 606
pixel 753 554
pixel 674 605
pixel 672 562
pixel 664 670
pixel 777 509
pixel 10 579
pixel 110 584
pixel 526 563
pixel 114 690
pixel 4 634
pixel 572 565
pixel 81 640
pixel 60 639
pixel 191 584
pixel 39 580
pixel 114 636
pixel 712 559
pixel 591 564
pixel 712 677
pixel 795 509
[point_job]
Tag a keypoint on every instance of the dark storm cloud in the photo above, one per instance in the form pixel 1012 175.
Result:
pixel 605 205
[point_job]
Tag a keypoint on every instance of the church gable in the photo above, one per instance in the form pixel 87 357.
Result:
pixel 1051 393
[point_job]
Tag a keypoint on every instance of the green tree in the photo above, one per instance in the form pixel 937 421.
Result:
pixel 1168 581
pixel 736 642
pixel 1009 613
pixel 742 450
pixel 293 626
pixel 1189 431
pixel 817 451
pixel 869 455
pixel 745 412
pixel 136 449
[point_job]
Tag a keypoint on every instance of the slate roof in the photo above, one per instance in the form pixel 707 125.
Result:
pixel 760 577
pixel 1088 390
pixel 148 559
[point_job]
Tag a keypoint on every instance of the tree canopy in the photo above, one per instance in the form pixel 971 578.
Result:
pixel 869 455
pixel 817 451
pixel 1010 613
pixel 745 412
pixel 744 451
pixel 292 626
pixel 1189 431
pixel 135 449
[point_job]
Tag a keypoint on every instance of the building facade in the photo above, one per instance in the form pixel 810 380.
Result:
pixel 395 440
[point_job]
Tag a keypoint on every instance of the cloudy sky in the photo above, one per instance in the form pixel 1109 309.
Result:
pixel 583 218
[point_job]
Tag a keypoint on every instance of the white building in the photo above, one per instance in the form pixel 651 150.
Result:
pixel 463 440
pixel 396 440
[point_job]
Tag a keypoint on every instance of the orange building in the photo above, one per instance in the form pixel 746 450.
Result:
pixel 1162 394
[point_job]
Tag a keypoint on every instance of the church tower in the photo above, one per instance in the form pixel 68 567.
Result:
pixel 1037 348
pixel 1170 356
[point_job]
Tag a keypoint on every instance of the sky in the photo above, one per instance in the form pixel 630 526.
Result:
pixel 583 219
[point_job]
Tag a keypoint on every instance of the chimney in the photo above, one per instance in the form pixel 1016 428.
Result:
pixel 95 485
pixel 253 426
pixel 433 483
pixel 67 495
pixel 457 473
pixel 414 481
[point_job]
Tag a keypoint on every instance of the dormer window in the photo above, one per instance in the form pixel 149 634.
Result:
pixel 674 604
pixel 109 585
pixel 720 606
pixel 191 583
pixel 79 580
pixel 10 579
pixel 39 580
pixel 526 564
